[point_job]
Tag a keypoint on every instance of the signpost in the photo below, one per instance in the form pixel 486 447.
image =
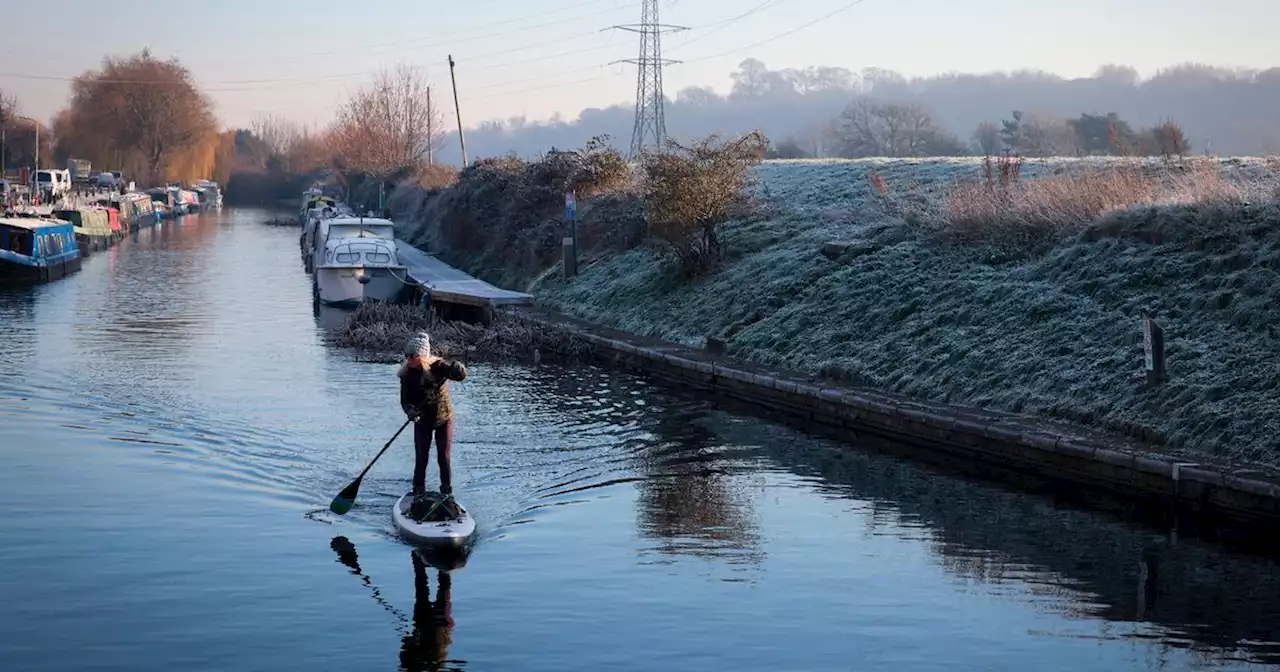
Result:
pixel 570 242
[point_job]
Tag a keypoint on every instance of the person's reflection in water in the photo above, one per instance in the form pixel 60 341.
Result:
pixel 426 647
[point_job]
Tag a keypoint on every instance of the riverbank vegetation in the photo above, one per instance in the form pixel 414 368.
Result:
pixel 378 331
pixel 1008 283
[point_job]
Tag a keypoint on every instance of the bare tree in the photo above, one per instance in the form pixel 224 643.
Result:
pixel 1169 139
pixel 143 106
pixel 391 124
pixel 987 138
pixel 871 128
pixel 8 107
pixel 1039 134
pixel 279 135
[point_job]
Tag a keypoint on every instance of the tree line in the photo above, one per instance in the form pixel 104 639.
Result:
pixel 1222 111
pixel 870 127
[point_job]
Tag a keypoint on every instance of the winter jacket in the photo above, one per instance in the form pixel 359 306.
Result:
pixel 425 389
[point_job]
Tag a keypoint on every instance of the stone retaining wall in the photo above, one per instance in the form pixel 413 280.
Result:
pixel 1058 451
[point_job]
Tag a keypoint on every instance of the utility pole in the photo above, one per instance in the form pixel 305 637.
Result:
pixel 462 138
pixel 431 129
pixel 650 118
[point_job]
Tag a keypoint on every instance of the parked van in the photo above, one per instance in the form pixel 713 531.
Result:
pixel 52 182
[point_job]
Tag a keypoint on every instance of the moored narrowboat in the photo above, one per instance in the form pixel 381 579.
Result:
pixel 190 200
pixel 134 210
pixel 92 227
pixel 37 249
pixel 113 222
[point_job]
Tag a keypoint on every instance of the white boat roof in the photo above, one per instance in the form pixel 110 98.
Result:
pixel 338 228
pixel 32 223
pixel 361 244
pixel 363 221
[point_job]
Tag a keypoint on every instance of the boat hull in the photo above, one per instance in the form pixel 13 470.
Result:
pixel 89 244
pixel 341 285
pixel 14 273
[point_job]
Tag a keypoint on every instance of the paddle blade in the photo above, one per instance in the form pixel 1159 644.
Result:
pixel 345 499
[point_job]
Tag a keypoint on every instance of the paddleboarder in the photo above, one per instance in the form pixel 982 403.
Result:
pixel 424 397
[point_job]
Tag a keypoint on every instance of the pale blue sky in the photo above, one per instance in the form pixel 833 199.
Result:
pixel 297 58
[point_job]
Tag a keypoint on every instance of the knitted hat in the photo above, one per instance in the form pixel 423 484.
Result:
pixel 418 345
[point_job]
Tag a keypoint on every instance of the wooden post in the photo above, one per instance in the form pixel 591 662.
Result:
pixel 570 258
pixel 462 136
pixel 1153 344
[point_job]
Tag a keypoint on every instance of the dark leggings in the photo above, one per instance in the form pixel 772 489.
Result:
pixel 422 432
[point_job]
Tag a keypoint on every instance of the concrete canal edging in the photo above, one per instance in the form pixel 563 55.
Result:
pixel 1055 450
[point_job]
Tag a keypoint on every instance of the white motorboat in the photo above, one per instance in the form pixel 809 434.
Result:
pixel 311 237
pixel 347 226
pixel 355 270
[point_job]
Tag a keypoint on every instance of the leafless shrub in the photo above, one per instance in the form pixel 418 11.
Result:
pixel 511 211
pixel 690 191
pixel 437 176
pixel 1170 140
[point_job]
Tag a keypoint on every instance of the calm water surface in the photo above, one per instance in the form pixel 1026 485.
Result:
pixel 173 426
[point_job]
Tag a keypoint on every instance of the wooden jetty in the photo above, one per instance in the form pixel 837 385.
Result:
pixel 441 283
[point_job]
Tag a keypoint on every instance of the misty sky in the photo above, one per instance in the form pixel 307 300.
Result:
pixel 297 58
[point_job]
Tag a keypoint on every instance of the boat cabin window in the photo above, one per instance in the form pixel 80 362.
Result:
pixel 346 257
pixel 19 241
pixel 377 257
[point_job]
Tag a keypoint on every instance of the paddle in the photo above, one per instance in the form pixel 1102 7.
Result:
pixel 345 499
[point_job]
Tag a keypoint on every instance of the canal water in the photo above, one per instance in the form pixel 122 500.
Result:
pixel 173 425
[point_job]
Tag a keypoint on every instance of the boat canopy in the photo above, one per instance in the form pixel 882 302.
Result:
pixel 361 252
pixel 87 221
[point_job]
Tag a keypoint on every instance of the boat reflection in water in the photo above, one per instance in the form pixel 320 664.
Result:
pixel 425 637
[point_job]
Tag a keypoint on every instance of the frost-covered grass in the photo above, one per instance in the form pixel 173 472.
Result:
pixel 1053 330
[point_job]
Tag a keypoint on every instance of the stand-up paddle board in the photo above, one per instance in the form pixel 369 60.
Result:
pixel 433 520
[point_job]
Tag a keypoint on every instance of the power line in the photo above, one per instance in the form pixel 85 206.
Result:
pixel 779 36
pixel 458 36
pixel 310 79
pixel 522 80
pixel 498 88
pixel 249 85
pixel 545 87
pixel 721 25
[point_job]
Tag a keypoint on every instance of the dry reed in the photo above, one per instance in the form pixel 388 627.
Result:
pixel 1004 210
pixel 378 331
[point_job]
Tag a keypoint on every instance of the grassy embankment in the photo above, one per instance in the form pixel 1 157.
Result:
pixel 956 282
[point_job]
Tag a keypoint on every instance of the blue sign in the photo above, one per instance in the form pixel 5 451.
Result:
pixel 570 206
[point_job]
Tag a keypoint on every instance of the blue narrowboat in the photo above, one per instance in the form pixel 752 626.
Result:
pixel 37 249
